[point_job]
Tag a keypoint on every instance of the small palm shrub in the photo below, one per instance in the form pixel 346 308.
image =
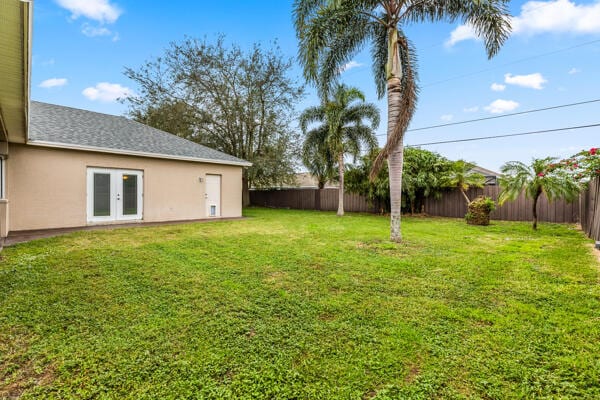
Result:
pixel 479 211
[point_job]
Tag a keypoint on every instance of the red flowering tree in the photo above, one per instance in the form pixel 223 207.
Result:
pixel 583 166
pixel 543 176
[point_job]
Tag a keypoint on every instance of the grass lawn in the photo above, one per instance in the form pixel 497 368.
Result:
pixel 302 305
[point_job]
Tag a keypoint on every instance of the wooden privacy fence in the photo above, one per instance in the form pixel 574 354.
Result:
pixel 310 199
pixel 589 209
pixel 452 204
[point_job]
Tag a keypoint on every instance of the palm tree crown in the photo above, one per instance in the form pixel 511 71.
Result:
pixel 340 130
pixel 536 179
pixel 331 32
pixel 462 177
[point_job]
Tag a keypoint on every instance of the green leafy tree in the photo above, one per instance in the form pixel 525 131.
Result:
pixel 377 191
pixel 462 177
pixel 331 32
pixel 341 129
pixel 425 174
pixel 583 166
pixel 241 102
pixel 541 177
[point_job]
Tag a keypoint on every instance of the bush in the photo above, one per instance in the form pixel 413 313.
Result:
pixel 479 211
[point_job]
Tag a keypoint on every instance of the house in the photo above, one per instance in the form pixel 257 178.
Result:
pixel 306 180
pixel 62 167
pixel 491 177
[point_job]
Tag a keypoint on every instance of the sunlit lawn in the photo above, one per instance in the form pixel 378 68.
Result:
pixel 302 305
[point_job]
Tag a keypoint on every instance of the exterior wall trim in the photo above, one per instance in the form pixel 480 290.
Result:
pixel 42 143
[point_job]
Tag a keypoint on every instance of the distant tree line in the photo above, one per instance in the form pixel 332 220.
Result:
pixel 425 174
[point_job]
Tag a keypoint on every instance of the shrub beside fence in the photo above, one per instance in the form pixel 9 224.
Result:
pixel 452 204
pixel 589 209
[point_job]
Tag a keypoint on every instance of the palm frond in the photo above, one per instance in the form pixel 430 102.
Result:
pixel 361 111
pixel 311 115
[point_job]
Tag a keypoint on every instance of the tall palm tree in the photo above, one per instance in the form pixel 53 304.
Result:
pixel 535 179
pixel 317 157
pixel 462 177
pixel 331 32
pixel 319 160
pixel 341 130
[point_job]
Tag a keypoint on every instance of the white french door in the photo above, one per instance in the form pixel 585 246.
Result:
pixel 114 195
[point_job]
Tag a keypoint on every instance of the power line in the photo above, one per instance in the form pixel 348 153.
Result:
pixel 499 116
pixel 507 135
pixel 509 63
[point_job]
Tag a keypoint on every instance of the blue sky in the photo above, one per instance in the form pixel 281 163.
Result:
pixel 80 48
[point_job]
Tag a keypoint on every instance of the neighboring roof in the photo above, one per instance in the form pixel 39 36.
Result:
pixel 485 172
pixel 15 62
pixel 64 127
pixel 307 180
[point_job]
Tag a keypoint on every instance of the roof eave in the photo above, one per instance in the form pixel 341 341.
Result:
pixel 70 146
pixel 15 67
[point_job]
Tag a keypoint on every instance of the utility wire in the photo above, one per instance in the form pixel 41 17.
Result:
pixel 499 116
pixel 481 71
pixel 509 63
pixel 507 135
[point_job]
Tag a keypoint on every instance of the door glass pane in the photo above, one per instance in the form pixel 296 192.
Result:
pixel 130 195
pixel 101 195
pixel 213 211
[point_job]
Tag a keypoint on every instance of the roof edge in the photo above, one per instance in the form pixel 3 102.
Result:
pixel 69 146
pixel 28 46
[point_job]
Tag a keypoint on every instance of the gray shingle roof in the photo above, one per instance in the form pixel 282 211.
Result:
pixel 72 127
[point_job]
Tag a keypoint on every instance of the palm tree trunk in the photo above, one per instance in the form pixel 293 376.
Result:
pixel 462 191
pixel 395 160
pixel 535 217
pixel 340 211
pixel 396 155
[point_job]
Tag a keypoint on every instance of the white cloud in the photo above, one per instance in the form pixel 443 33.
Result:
pixel 98 10
pixel 107 92
pixel 471 109
pixel 447 117
pixel 349 65
pixel 497 87
pixel 538 17
pixel 462 32
pixel 92 31
pixel 501 106
pixel 574 71
pixel 53 82
pixel 533 81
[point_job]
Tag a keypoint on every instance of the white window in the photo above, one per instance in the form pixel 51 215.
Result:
pixel 114 195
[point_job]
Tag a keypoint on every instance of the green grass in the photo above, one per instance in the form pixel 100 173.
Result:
pixel 302 305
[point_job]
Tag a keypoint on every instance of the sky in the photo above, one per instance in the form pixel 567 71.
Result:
pixel 81 47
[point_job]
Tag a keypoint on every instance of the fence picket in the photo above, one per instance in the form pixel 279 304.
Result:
pixel 450 204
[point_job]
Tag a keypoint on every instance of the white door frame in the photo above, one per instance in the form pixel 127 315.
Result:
pixel 116 195
pixel 207 196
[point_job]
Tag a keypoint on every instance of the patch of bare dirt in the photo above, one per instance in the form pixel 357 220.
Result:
pixel 369 395
pixel 17 372
pixel 413 372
